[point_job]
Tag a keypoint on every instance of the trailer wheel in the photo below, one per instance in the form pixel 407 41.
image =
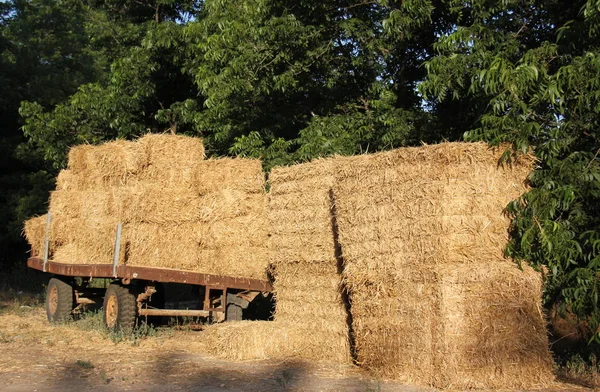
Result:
pixel 60 301
pixel 120 308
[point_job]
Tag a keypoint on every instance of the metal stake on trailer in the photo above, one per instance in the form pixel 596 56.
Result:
pixel 117 249
pixel 47 241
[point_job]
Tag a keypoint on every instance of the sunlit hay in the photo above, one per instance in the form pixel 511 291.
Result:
pixel 178 211
pixel 313 289
pixel 182 246
pixel 110 164
pixel 244 175
pixel 35 233
pixel 151 203
pixel 172 159
pixel 82 204
pixel 92 238
pixel 492 330
pixel 394 324
pixel 307 284
pixel 162 246
pixel 300 213
pixel 247 340
pixel 420 212
pixel 67 181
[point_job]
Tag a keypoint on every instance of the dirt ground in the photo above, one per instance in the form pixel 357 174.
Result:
pixel 38 356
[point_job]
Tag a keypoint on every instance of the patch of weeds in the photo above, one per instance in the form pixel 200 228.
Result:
pixel 133 335
pixel 104 377
pixel 94 321
pixel 581 368
pixel 85 365
pixel 91 321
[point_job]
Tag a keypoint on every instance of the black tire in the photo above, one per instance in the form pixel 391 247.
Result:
pixel 233 312
pixel 119 308
pixel 60 301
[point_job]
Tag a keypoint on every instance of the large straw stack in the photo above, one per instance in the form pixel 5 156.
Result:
pixel 311 320
pixel 178 210
pixel 307 286
pixel 433 299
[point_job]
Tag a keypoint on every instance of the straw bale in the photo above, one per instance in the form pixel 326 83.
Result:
pixel 35 233
pixel 81 204
pixel 408 217
pixel 246 340
pixel 112 163
pixel 180 246
pixel 300 213
pixel 167 151
pixel 314 175
pixel 172 159
pixel 67 181
pixel 93 239
pixel 493 332
pixel 229 173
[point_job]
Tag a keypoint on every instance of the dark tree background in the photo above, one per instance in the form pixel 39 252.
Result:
pixel 288 81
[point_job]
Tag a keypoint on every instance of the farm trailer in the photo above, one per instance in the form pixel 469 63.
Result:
pixel 136 292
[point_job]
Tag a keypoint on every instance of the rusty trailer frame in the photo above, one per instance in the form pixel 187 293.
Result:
pixel 128 273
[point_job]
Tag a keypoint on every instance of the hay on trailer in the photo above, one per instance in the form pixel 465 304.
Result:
pixel 67 181
pixel 35 233
pixel 182 246
pixel 247 340
pixel 420 212
pixel 91 240
pixel 109 164
pixel 493 333
pixel 178 211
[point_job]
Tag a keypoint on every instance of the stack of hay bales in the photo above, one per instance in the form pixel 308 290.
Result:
pixel 178 210
pixel 433 299
pixel 306 263
pixel 310 320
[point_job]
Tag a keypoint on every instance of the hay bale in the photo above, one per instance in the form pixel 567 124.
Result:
pixel 172 159
pixel 110 164
pixel 87 241
pixel 307 284
pixel 35 233
pixel 493 333
pixel 421 212
pixel 245 175
pixel 182 246
pixel 248 340
pixel 300 212
pixel 67 181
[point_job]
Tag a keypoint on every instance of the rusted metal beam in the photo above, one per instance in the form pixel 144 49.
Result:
pixel 174 312
pixel 153 274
